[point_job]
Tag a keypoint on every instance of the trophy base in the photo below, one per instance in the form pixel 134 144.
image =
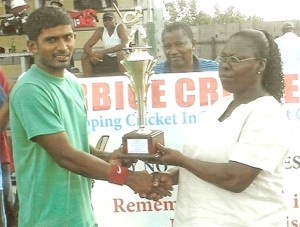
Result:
pixel 142 145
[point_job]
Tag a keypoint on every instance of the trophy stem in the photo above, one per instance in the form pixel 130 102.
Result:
pixel 141 106
pixel 140 143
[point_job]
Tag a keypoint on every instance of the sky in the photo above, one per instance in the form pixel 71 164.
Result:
pixel 269 10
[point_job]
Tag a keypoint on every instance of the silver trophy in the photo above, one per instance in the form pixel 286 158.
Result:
pixel 140 143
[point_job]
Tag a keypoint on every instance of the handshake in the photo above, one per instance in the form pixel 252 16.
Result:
pixel 161 186
pixel 153 186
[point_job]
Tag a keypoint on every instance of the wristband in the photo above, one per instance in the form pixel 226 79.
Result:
pixel 118 174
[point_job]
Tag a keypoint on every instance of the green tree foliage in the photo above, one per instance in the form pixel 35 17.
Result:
pixel 186 11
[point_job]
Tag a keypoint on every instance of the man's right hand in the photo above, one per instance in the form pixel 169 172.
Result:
pixel 98 56
pixel 162 186
pixel 140 182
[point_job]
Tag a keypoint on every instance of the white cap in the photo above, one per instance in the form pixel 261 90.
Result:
pixel 17 3
pixel 59 2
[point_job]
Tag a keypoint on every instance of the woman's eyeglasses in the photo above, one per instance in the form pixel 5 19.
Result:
pixel 232 60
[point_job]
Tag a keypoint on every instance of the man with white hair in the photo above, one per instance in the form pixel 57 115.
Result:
pixel 289 46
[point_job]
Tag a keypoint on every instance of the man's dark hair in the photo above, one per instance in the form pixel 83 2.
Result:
pixel 44 18
pixel 177 26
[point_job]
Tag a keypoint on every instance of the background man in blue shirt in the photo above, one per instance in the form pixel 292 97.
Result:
pixel 179 44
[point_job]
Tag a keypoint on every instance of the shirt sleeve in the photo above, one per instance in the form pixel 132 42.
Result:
pixel 3 81
pixel 264 139
pixel 35 109
pixel 3 86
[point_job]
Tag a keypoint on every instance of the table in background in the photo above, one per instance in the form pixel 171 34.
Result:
pixel 24 59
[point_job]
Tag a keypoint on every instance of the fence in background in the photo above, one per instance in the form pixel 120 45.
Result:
pixel 211 38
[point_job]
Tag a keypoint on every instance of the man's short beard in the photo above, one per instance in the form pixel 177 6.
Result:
pixel 56 65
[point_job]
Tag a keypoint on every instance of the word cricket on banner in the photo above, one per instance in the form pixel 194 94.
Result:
pixel 175 104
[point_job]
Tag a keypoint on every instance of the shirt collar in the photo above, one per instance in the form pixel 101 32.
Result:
pixel 197 65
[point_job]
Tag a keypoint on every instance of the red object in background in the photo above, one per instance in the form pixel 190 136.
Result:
pixel 84 18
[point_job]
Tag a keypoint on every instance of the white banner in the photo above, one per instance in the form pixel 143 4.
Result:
pixel 175 103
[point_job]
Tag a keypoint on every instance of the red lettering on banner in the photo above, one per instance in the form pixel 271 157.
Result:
pixel 119 205
pixel 208 87
pixel 107 96
pixel 119 95
pixel 130 207
pixel 157 93
pixel 101 98
pixel 296 201
pixel 185 94
pixel 158 206
pixel 207 92
pixel 290 88
pixel 292 223
pixel 147 206
pixel 181 88
pixel 131 98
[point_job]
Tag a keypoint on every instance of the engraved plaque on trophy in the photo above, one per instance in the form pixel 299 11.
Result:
pixel 140 143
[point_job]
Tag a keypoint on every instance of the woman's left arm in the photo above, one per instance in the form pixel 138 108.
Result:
pixel 231 176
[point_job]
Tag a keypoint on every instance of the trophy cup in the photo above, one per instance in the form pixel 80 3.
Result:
pixel 140 143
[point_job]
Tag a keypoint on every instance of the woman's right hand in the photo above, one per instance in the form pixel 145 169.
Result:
pixel 168 156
